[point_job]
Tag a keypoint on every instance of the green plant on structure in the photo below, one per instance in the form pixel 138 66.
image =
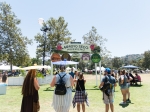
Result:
pixel 39 74
pixel 22 73
pixel 48 72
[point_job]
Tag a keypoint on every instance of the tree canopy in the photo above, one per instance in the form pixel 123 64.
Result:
pixel 58 34
pixel 146 60
pixel 94 38
pixel 12 42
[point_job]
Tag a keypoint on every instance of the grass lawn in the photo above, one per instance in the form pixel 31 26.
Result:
pixel 11 102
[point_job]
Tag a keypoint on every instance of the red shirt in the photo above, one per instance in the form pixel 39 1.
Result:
pixel 138 78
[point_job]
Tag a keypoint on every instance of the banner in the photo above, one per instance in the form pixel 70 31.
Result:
pixel 66 56
pixel 55 57
pixel 76 48
pixel 86 58
pixel 75 55
pixel 95 58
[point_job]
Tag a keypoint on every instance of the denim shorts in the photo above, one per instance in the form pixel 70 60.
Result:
pixel 124 86
pixel 128 84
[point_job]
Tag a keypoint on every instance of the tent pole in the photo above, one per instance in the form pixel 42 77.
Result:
pixel 96 72
pixel 76 66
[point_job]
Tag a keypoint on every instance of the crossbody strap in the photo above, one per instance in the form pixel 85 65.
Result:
pixel 79 85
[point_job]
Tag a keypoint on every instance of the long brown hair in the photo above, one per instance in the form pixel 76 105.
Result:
pixel 28 84
pixel 80 75
pixel 123 72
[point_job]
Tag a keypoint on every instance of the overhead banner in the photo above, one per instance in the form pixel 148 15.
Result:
pixel 76 48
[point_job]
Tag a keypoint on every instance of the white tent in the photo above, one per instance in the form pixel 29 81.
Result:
pixel 65 63
pixel 102 68
pixel 68 68
pixel 36 67
pixel 130 67
pixel 7 67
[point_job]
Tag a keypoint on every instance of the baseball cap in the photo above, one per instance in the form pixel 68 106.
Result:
pixel 107 70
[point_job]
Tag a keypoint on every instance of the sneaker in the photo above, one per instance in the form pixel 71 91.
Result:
pixel 122 103
pixel 128 101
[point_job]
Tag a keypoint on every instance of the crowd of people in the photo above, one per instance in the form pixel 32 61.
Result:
pixel 75 81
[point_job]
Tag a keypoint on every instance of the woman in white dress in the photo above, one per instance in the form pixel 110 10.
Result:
pixel 62 103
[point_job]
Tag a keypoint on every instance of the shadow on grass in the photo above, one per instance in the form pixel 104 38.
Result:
pixel 124 105
pixel 94 88
pixel 116 91
pixel 136 85
pixel 48 89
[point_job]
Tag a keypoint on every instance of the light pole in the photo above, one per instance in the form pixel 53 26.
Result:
pixel 44 29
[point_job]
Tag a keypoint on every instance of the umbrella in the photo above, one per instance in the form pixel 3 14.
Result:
pixel 65 63
pixel 36 67
pixel 8 67
pixel 130 67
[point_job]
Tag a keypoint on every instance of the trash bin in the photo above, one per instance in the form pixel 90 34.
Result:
pixel 3 87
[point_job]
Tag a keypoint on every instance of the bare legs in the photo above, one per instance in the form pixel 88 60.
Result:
pixel 83 107
pixel 124 93
pixel 78 107
pixel 128 94
pixel 107 107
pixel 111 107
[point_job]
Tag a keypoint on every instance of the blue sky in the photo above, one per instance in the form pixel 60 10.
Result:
pixel 124 23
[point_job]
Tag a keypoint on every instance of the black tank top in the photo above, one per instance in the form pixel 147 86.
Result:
pixel 81 83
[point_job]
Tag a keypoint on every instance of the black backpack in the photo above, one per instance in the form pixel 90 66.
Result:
pixel 107 87
pixel 60 86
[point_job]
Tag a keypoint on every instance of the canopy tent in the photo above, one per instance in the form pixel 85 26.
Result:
pixel 36 67
pixel 130 67
pixel 8 67
pixel 68 68
pixel 65 63
pixel 102 68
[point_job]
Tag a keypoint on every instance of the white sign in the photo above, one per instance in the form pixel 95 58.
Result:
pixel 75 55
pixel 76 48
pixel 86 58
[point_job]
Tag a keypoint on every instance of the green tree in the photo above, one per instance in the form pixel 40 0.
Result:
pixel 116 62
pixel 107 62
pixel 146 60
pixel 140 63
pixel 94 38
pixel 98 41
pixel 58 34
pixel 36 61
pixel 13 43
